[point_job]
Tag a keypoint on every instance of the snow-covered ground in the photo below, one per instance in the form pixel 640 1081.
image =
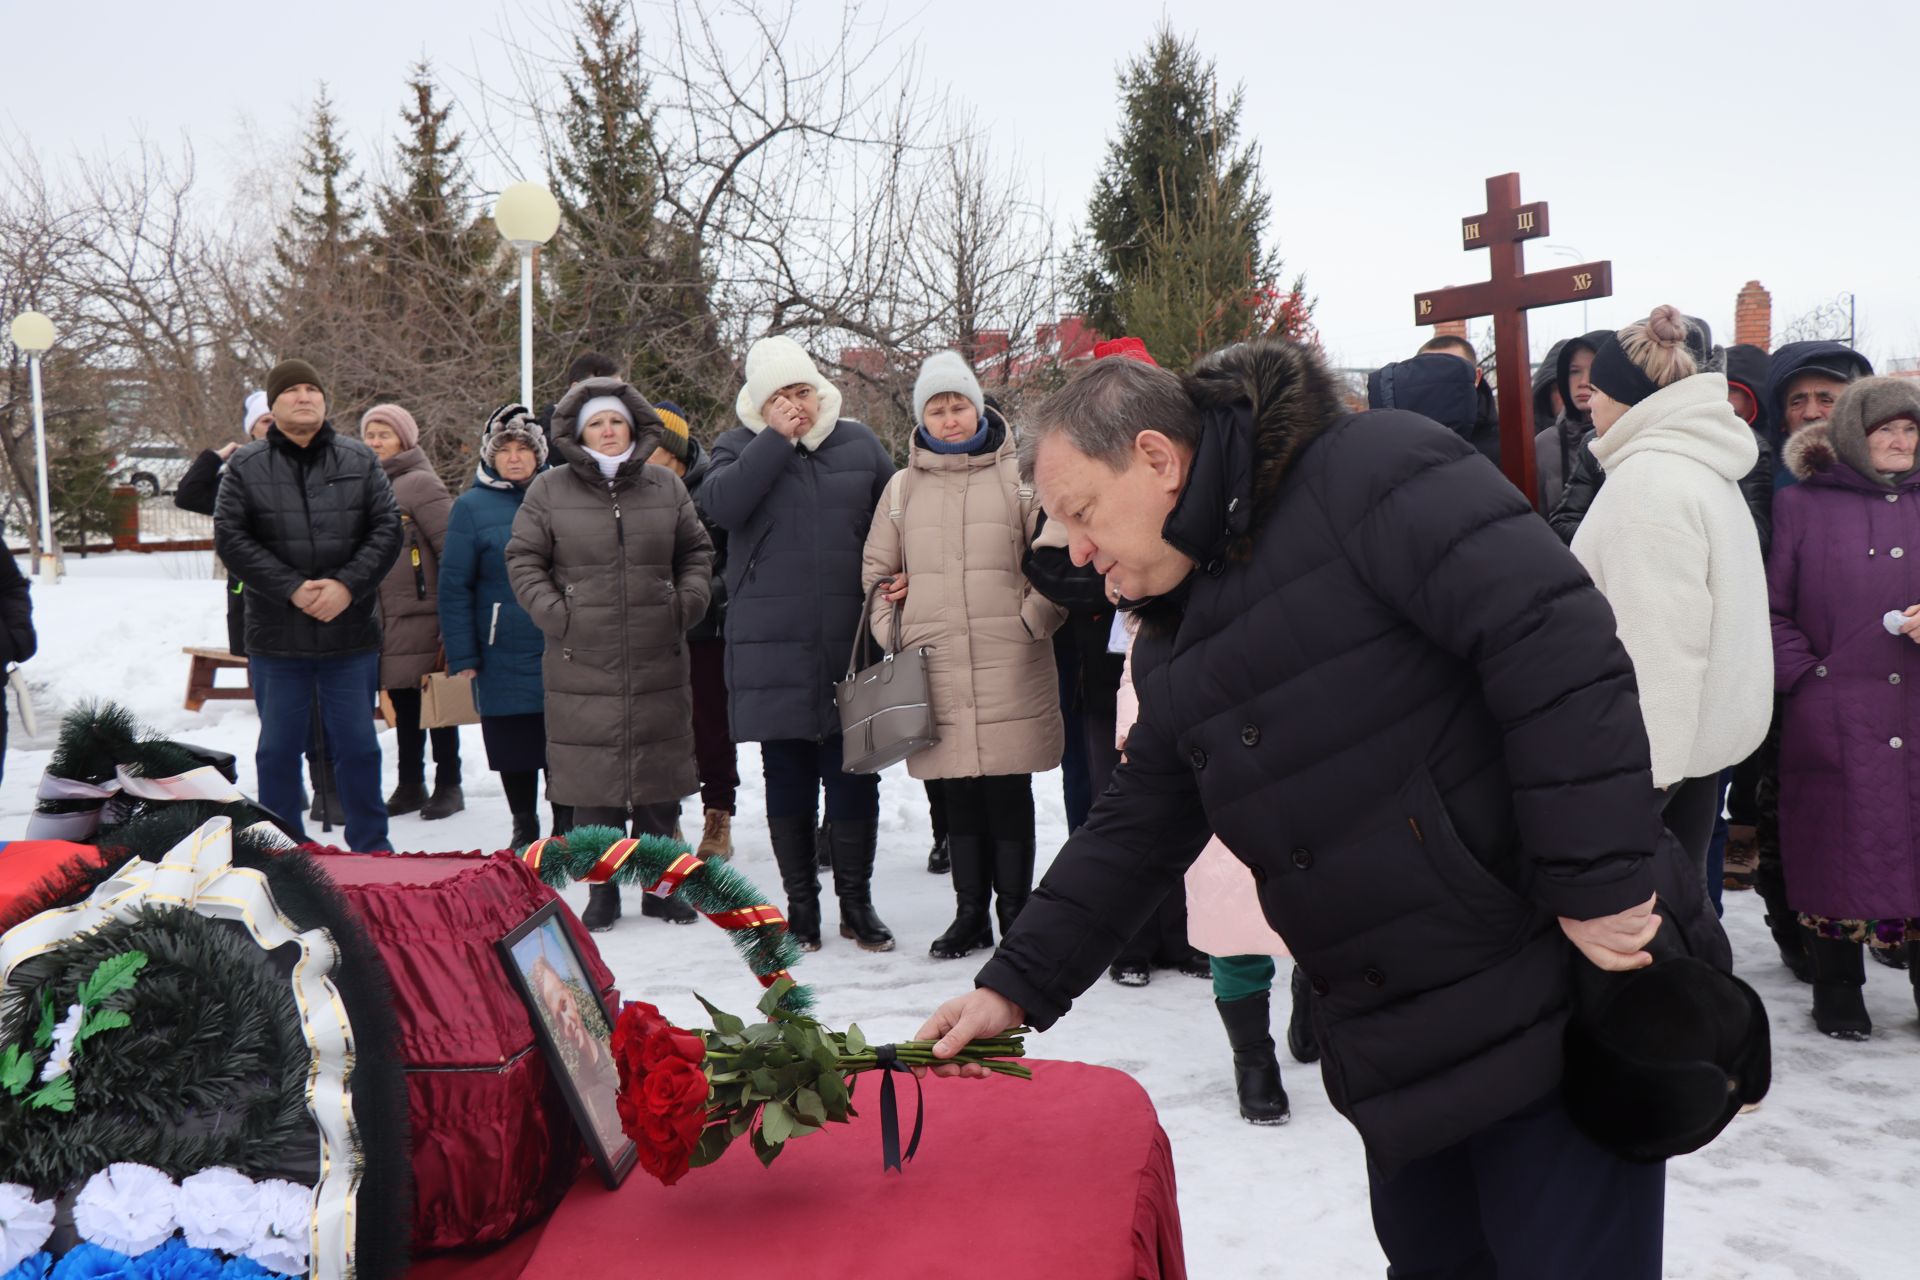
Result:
pixel 1824 1180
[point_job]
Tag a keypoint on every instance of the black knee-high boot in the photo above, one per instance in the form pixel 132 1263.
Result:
pixel 1839 987
pixel 854 843
pixel 793 850
pixel 972 887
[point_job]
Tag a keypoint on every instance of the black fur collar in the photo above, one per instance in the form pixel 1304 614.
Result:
pixel 1264 402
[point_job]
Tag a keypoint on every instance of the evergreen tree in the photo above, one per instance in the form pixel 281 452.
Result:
pixel 427 217
pixel 79 482
pixel 324 223
pixel 625 280
pixel 1173 252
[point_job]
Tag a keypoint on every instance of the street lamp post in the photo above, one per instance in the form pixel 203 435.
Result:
pixel 527 216
pixel 33 334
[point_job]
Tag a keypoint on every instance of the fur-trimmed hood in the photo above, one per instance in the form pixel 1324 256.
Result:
pixel 648 430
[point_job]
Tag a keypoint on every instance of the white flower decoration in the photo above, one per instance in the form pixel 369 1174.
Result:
pixel 286 1222
pixel 126 1207
pixel 60 1056
pixel 219 1208
pixel 25 1224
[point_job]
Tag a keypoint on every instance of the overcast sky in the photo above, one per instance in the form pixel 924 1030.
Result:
pixel 1696 145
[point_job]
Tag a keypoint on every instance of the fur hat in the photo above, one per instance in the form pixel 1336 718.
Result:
pixel 1866 404
pixel 512 422
pixel 678 440
pixel 395 417
pixel 291 373
pixel 944 372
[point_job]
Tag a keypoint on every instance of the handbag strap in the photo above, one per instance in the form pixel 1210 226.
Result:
pixel 865 629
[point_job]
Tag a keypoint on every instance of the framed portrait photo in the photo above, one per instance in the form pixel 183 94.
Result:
pixel 575 1031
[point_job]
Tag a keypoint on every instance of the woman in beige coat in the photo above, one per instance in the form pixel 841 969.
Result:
pixel 950 537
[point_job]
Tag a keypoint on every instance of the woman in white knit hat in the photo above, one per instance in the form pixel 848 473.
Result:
pixel 950 540
pixel 795 486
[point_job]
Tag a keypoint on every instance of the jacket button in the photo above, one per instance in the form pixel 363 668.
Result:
pixel 1216 567
pixel 1250 735
pixel 1894 678
pixel 1375 978
pixel 1896 553
pixel 1319 985
pixel 1821 672
pixel 1893 497
pixel 1896 744
pixel 1198 757
pixel 1303 858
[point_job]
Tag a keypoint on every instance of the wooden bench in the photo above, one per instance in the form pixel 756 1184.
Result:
pixel 200 678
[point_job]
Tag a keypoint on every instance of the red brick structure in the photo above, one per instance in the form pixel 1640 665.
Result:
pixel 1753 317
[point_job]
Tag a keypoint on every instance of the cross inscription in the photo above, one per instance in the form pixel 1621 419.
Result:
pixel 1507 297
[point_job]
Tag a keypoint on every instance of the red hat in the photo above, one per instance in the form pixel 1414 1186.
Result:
pixel 1131 348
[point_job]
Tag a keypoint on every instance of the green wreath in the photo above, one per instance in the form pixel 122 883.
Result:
pixel 712 889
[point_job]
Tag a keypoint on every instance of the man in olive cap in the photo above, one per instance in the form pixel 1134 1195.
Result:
pixel 305 518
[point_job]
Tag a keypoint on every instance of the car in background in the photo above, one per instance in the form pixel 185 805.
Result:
pixel 152 467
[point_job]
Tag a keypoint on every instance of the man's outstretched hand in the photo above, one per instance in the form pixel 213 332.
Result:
pixel 977 1014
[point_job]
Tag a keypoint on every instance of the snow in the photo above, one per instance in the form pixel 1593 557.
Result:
pixel 1821 1180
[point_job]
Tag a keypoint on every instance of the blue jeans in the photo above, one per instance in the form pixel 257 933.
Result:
pixel 285 690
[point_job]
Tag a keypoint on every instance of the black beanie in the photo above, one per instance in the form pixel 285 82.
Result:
pixel 291 373
pixel 1622 379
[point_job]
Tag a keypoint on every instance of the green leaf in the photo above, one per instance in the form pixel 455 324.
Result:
pixel 808 1103
pixel 111 976
pixel 713 1143
pixel 856 1043
pixel 762 1032
pixel 723 1022
pixel 776 1122
pixel 767 1151
pixel 770 1002
pixel 16 1070
pixel 104 1020
pixel 764 1085
pixel 834 1095
pixel 43 1036
pixel 57 1096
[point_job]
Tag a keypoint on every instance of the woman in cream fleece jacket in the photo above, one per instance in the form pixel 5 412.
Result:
pixel 1671 544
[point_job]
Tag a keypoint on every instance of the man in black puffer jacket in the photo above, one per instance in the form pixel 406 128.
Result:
pixel 1367 665
pixel 305 518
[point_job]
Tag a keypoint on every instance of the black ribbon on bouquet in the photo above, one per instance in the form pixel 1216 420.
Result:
pixel 889 1062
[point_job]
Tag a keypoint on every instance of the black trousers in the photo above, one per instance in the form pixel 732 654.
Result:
pixel 410 745
pixel 797 771
pixel 648 819
pixel 713 750
pixel 1527 1198
pixel 1691 808
pixel 997 808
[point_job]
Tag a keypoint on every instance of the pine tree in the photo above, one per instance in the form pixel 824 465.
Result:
pixel 79 482
pixel 323 226
pixel 1173 252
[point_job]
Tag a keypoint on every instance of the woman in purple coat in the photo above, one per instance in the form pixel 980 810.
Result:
pixel 1844 581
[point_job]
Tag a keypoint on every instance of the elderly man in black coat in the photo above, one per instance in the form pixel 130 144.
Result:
pixel 1376 674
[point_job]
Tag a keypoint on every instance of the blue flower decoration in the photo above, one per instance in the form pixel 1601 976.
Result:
pixel 91 1262
pixel 33 1268
pixel 244 1269
pixel 178 1260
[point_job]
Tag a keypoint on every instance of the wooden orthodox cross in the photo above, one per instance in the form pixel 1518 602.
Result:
pixel 1507 297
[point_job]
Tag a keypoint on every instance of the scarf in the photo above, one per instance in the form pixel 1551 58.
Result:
pixel 970 445
pixel 609 465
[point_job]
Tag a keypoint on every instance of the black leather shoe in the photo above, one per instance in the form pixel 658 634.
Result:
pixel 1839 988
pixel 670 909
pixel 406 798
pixel 447 799
pixel 940 859
pixel 1130 973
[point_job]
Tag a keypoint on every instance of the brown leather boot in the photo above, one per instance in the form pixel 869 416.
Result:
pixel 716 842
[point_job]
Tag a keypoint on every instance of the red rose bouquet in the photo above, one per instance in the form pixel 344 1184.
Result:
pixel 685 1096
